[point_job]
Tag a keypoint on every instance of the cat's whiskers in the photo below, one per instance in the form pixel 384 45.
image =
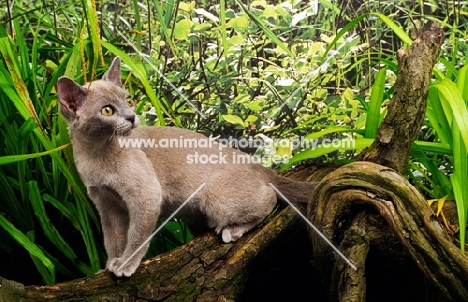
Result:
pixel 120 130
pixel 115 134
pixel 112 137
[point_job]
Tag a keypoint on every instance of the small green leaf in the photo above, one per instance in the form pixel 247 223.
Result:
pixel 270 12
pixel 251 119
pixel 201 28
pixel 233 119
pixel 238 23
pixel 236 40
pixel 260 3
pixel 284 148
pixel 255 105
pixel 182 29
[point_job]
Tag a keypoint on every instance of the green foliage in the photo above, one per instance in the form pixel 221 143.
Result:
pixel 275 71
pixel 447 113
pixel 31 185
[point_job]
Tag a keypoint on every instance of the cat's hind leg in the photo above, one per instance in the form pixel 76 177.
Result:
pixel 232 233
pixel 248 215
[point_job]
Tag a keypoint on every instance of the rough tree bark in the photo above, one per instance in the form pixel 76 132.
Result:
pixel 406 110
pixel 362 207
pixel 363 187
pixel 347 198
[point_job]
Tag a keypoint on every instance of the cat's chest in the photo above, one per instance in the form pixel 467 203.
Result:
pixel 95 172
pixel 113 169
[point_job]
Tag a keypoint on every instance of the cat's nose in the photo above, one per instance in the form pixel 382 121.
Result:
pixel 130 118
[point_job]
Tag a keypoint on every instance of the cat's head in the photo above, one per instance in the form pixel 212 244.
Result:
pixel 100 108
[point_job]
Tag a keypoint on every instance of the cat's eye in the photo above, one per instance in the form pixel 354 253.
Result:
pixel 107 111
pixel 129 102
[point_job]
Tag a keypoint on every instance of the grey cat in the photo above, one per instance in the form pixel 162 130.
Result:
pixel 132 187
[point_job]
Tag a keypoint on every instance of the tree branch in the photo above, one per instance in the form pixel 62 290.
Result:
pixel 406 110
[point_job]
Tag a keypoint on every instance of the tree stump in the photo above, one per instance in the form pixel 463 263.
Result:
pixel 363 204
pixel 406 110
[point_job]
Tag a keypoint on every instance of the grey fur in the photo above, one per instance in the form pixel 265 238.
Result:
pixel 132 187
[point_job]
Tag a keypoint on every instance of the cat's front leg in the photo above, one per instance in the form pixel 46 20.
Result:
pixel 114 219
pixel 143 209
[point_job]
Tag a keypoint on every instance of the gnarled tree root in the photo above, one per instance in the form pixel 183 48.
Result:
pixel 363 187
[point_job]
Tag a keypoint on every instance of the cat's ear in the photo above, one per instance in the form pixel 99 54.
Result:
pixel 113 73
pixel 71 96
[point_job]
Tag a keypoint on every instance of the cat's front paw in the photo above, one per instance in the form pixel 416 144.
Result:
pixel 127 270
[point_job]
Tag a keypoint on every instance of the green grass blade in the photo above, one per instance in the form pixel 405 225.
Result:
pixel 396 29
pixel 462 82
pixel 88 236
pixel 16 158
pixel 451 98
pixel 459 182
pixel 49 229
pixel 93 28
pixel 375 104
pixel 346 145
pixel 66 208
pixel 20 96
pixel 438 117
pixel 43 270
pixel 11 205
pixel 31 247
pixel 165 14
pixel 340 34
pixel 440 183
pixel 222 26
pixel 266 30
pixel 327 131
pixel 433 147
pixel 137 21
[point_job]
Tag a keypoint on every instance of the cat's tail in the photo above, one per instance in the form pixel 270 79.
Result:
pixel 294 191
